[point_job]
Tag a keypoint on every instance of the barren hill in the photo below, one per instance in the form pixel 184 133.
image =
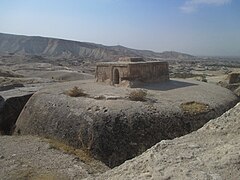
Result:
pixel 60 48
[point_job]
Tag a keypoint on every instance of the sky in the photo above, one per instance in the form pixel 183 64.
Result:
pixel 197 27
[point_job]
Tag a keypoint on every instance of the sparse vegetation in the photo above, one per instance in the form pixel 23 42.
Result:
pixel 83 155
pixel 138 95
pixel 194 107
pixel 76 92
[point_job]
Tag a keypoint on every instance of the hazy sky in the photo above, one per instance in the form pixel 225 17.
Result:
pixel 198 27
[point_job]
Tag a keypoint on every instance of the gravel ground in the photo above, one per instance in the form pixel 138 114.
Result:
pixel 28 157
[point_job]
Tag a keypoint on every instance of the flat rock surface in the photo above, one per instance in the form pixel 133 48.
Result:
pixel 28 157
pixel 167 95
pixel 212 152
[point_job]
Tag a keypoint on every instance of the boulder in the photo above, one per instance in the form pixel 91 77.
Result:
pixel 11 104
pixel 114 130
pixel 10 109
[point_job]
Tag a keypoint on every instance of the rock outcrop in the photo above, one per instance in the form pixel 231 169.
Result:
pixel 10 109
pixel 212 152
pixel 233 78
pixel 237 91
pixel 117 129
pixel 232 82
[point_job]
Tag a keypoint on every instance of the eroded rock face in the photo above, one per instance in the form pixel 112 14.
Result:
pixel 114 130
pixel 232 82
pixel 10 109
pixel 212 152
pixel 1 112
pixel 233 78
pixel 12 86
pixel 237 91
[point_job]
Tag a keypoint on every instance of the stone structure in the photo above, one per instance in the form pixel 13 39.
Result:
pixel 130 70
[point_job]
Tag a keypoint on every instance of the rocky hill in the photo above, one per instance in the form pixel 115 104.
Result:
pixel 60 48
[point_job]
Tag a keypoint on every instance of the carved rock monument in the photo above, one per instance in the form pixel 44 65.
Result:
pixel 127 71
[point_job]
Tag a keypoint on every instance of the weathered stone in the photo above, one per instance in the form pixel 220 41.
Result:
pixel 10 109
pixel 113 97
pixel 212 152
pixel 232 82
pixel 233 78
pixel 116 130
pixel 237 91
pixel 12 86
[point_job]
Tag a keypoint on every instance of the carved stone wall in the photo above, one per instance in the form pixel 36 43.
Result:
pixel 108 72
pixel 114 73
pixel 149 71
pixel 103 72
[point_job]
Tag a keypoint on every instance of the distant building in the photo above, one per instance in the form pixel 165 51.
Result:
pixel 129 70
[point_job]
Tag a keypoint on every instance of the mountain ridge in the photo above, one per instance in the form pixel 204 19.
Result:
pixel 62 48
